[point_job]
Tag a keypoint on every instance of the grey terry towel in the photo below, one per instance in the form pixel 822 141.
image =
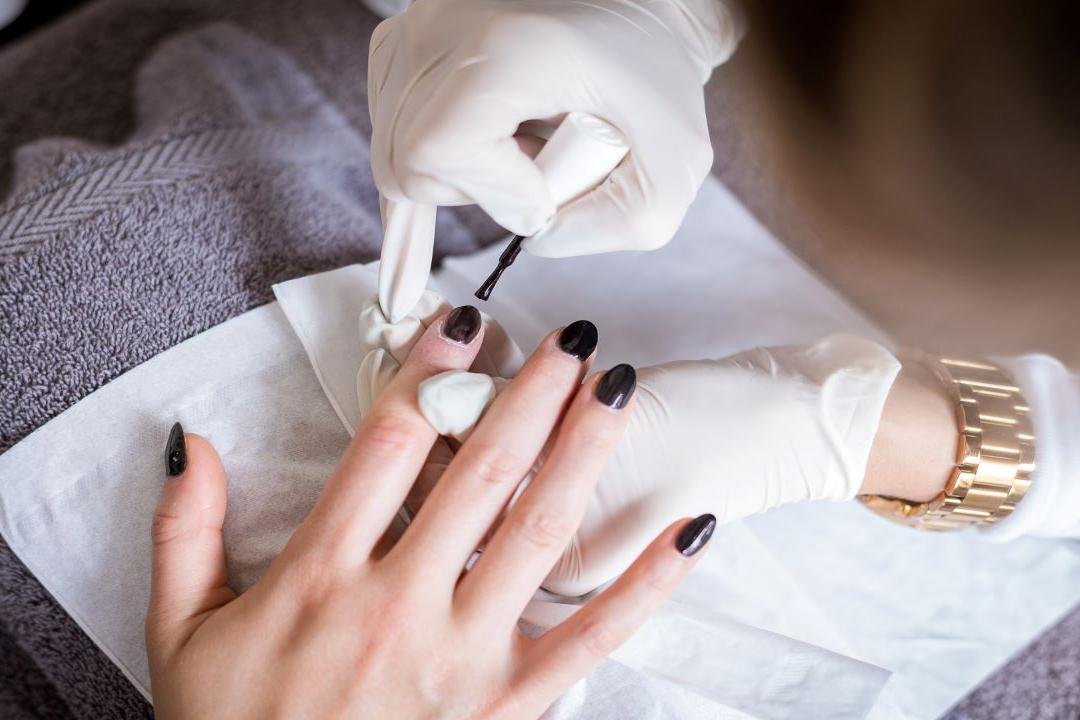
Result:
pixel 159 171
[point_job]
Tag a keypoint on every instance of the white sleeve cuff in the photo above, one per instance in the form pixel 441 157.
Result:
pixel 1051 507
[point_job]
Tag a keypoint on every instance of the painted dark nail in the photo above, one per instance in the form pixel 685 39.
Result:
pixel 578 339
pixel 462 324
pixel 175 451
pixel 617 386
pixel 696 534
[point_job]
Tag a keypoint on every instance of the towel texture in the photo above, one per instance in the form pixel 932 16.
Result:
pixel 163 163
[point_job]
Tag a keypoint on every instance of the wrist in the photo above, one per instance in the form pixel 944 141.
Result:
pixel 914 450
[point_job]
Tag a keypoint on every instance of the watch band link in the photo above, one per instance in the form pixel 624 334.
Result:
pixel 995 454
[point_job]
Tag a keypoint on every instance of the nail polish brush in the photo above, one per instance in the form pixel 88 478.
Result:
pixel 578 157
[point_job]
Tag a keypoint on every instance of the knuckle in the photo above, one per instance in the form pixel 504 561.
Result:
pixel 389 434
pixel 542 528
pixel 423 150
pixel 653 224
pixel 503 29
pixel 653 231
pixel 311 576
pixel 701 163
pixel 166 526
pixel 495 465
pixel 597 637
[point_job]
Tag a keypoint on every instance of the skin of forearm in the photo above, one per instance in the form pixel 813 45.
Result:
pixel 914 450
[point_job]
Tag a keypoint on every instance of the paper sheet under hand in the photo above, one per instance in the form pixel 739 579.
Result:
pixel 83 527
pixel 941 612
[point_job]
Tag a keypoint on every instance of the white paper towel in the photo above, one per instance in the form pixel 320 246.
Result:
pixel 76 496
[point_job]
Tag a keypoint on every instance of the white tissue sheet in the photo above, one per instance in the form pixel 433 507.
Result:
pixel 739 639
pixel 77 497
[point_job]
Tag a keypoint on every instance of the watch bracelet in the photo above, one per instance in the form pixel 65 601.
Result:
pixel 995 451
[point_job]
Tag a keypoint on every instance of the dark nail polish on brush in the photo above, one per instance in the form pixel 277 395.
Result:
pixel 175 451
pixel 696 534
pixel 617 386
pixel 506 259
pixel 578 339
pixel 462 324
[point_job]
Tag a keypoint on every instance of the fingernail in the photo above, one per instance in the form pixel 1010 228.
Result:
pixel 462 324
pixel 175 451
pixel 696 534
pixel 617 386
pixel 578 339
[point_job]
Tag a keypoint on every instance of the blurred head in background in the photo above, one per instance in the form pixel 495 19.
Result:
pixel 927 123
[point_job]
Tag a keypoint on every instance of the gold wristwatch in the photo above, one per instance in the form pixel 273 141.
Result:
pixel 995 455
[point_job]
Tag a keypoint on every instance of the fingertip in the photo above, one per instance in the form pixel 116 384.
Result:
pixel 196 478
pixel 672 554
pixel 203 458
pixel 461 325
pixel 695 534
pixel 176 451
pixel 615 388
pixel 524 220
pixel 578 340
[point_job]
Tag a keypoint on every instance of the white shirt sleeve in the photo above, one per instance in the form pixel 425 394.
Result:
pixel 1051 507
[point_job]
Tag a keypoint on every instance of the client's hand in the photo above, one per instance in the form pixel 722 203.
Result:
pixel 345 624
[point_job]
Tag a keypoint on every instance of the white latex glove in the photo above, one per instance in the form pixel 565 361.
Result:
pixel 449 82
pixel 734 437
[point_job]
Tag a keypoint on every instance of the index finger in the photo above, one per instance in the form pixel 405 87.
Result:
pixel 389 448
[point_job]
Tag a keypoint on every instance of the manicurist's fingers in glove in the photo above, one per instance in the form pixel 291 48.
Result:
pixel 339 627
pixel 450 82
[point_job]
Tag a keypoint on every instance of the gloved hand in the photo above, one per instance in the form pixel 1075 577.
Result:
pixel 737 436
pixel 449 82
